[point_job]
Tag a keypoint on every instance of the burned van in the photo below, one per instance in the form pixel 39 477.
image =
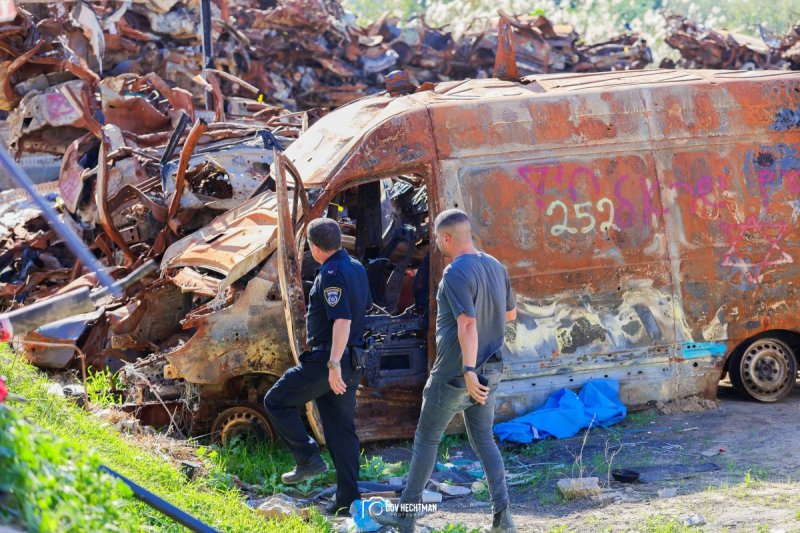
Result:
pixel 647 219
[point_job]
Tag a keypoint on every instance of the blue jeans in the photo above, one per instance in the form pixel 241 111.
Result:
pixel 440 403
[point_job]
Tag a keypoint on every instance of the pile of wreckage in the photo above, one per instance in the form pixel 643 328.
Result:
pixel 158 134
pixel 706 48
pixel 152 134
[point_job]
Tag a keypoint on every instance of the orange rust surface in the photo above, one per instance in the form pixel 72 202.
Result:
pixel 647 218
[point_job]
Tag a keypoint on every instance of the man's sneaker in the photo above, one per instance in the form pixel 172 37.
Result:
pixel 307 470
pixel 402 522
pixel 502 522
pixel 333 508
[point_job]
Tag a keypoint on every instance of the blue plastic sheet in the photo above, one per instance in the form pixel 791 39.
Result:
pixel 565 413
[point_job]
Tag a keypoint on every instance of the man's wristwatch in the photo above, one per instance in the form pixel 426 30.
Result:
pixel 334 364
pixel 465 369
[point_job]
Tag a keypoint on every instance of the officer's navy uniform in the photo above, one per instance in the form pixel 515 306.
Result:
pixel 340 290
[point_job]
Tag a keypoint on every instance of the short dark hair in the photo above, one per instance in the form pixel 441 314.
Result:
pixel 450 217
pixel 324 233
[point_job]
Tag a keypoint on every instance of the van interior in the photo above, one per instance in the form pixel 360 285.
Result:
pixel 386 226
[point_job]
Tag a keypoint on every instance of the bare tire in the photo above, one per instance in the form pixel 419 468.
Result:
pixel 765 370
pixel 241 421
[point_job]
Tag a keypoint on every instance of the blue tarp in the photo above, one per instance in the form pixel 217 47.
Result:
pixel 565 413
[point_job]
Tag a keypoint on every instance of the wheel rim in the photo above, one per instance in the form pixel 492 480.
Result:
pixel 767 369
pixel 243 422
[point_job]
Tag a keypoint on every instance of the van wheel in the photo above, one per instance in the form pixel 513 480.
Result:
pixel 766 370
pixel 242 422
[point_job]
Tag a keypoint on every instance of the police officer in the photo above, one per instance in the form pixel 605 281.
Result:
pixel 338 302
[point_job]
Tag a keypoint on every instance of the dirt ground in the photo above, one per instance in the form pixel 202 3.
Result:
pixel 748 479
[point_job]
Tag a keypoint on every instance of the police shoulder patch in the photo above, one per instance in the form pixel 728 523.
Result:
pixel 333 295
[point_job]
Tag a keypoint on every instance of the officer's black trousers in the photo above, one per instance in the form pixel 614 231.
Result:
pixel 309 381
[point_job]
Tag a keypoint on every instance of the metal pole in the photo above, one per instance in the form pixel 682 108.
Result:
pixel 162 505
pixel 208 51
pixel 65 232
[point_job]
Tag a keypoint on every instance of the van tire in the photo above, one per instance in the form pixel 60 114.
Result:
pixel 765 370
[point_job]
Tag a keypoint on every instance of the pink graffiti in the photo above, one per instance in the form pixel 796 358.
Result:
pixel 737 256
pixel 59 109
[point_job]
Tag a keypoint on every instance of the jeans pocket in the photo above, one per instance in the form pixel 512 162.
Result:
pixel 452 399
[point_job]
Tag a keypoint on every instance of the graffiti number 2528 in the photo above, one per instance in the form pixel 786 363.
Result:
pixel 582 212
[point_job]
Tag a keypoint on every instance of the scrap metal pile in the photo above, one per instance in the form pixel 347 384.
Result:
pixel 159 157
pixel 702 47
pixel 111 89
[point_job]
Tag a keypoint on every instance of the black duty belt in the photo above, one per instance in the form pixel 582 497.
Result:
pixel 327 346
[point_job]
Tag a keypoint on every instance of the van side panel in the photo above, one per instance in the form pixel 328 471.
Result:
pixel 648 230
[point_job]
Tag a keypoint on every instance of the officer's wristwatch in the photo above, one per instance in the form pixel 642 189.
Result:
pixel 334 364
pixel 465 369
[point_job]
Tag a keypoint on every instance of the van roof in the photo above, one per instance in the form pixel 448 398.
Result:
pixel 322 151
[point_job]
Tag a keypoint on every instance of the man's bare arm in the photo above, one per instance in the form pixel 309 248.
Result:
pixel 511 315
pixel 341 332
pixel 468 339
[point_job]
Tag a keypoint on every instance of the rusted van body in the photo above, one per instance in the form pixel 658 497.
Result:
pixel 647 219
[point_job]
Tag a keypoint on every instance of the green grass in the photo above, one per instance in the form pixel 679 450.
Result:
pixel 661 524
pixel 641 418
pixel 98 387
pixel 39 476
pixel 449 442
pixel 210 499
pixel 456 528
pixel 539 448
pixel 553 497
pixel 261 464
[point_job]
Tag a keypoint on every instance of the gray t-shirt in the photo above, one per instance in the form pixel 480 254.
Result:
pixel 478 285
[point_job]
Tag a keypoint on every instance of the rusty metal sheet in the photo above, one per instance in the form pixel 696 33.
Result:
pixel 49 121
pixel 227 172
pixel 249 336
pixel 68 330
pixel 232 245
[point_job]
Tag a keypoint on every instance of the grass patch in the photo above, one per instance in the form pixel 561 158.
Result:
pixel 456 528
pixel 448 443
pixel 210 499
pixel 661 524
pixel 99 385
pixel 641 418
pixel 553 497
pixel 374 468
pixel 538 449
pixel 47 485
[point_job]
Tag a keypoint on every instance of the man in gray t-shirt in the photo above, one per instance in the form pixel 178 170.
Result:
pixel 475 285
pixel 474 303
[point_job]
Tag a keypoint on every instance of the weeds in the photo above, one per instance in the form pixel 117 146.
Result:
pixel 641 418
pixel 374 468
pixel 53 486
pixel 99 385
pixel 207 498
pixel 456 528
pixel 449 442
pixel 661 524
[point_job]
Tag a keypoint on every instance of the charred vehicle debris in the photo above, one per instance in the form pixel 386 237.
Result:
pixel 214 172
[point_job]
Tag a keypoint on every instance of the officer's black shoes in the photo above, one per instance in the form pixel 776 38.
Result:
pixel 402 522
pixel 314 467
pixel 334 508
pixel 502 522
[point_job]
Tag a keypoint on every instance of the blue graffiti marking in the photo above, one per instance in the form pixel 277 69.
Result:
pixel 786 119
pixel 695 350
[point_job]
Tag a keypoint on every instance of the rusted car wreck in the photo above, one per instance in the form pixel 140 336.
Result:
pixel 646 219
